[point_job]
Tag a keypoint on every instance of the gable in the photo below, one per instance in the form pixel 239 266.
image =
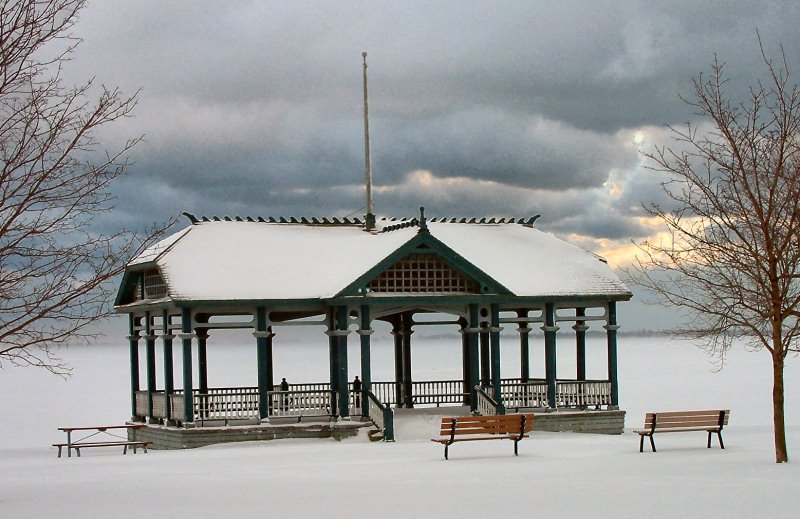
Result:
pixel 424 265
pixel 142 285
pixel 423 273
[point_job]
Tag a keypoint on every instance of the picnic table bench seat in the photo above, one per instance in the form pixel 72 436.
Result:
pixel 711 421
pixel 513 427
pixel 88 445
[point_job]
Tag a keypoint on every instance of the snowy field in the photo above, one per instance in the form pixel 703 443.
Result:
pixel 556 474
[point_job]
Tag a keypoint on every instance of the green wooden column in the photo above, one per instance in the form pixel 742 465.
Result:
pixel 332 354
pixel 580 343
pixel 341 354
pixel 365 331
pixel 408 387
pixel 397 334
pixel 611 330
pixel 266 381
pixel 494 335
pixel 524 347
pixel 202 360
pixel 550 330
pixel 472 339
pixel 150 345
pixel 133 343
pixel 485 356
pixel 188 392
pixel 169 370
pixel 465 360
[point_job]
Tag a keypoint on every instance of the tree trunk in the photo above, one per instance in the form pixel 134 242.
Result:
pixel 781 455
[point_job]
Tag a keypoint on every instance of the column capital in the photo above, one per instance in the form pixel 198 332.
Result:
pixel 368 331
pixel 150 337
pixel 134 337
pixel 550 328
pixel 524 329
pixel 337 333
pixel 470 330
pixel 494 329
pixel 611 327
pixel 168 336
pixel 580 327
pixel 187 336
pixel 263 335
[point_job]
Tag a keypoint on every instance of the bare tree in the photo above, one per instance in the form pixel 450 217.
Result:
pixel 733 259
pixel 54 185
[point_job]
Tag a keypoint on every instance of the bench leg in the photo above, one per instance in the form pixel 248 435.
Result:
pixel 641 443
pixel 515 447
pixel 446 446
pixel 708 445
pixel 719 435
pixel 652 443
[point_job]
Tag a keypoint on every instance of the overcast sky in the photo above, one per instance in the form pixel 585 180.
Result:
pixel 476 108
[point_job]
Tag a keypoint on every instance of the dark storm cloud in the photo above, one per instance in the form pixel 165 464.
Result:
pixel 510 107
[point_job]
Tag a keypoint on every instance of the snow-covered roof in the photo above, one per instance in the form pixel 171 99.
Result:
pixel 245 260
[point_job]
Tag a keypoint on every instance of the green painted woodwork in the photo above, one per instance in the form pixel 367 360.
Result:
pixel 366 365
pixel 150 352
pixel 188 391
pixel 397 334
pixel 494 337
pixel 202 360
pixel 485 357
pixel 580 344
pixel 341 355
pixel 472 335
pixel 611 330
pixel 169 373
pixel 524 348
pixel 133 342
pixel 264 361
pixel 408 319
pixel 550 353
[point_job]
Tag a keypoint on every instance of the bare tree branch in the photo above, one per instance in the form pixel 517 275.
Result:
pixel 734 254
pixel 55 268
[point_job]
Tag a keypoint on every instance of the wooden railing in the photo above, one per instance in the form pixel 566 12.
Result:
pixel 438 392
pixel 299 404
pixel 583 393
pixel 230 403
pixel 380 415
pixel 517 394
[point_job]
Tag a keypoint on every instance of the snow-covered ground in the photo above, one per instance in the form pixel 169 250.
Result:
pixel 556 474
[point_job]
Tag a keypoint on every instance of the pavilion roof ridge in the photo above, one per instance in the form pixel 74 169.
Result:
pixel 403 223
pixel 303 220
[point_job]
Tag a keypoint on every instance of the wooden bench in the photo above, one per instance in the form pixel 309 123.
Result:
pixel 477 428
pixel 710 421
pixel 124 444
pixel 106 438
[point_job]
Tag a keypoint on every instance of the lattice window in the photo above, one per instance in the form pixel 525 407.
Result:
pixel 152 286
pixel 426 273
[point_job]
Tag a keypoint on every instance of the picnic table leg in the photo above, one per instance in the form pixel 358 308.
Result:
pixel 69 444
pixel 59 451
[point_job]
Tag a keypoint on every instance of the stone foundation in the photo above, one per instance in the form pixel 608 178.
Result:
pixel 165 437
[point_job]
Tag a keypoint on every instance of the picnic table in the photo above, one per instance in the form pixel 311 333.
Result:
pixel 103 435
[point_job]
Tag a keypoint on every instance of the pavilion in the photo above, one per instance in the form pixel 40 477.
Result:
pixel 261 274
